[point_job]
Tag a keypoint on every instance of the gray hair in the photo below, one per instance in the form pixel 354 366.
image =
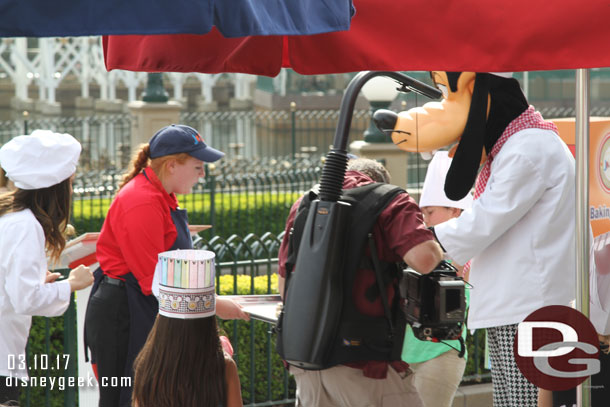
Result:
pixel 374 169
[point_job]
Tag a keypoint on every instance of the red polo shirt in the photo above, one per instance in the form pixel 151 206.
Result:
pixel 398 229
pixel 137 228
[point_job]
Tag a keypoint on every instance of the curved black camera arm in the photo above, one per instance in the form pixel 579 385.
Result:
pixel 404 84
pixel 333 171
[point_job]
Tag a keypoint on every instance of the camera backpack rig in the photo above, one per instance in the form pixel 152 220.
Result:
pixel 309 326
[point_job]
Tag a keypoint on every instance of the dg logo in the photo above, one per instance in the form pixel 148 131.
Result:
pixel 556 348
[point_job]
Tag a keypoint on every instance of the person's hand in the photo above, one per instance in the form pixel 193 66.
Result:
pixel 226 308
pixel 51 277
pixel 80 277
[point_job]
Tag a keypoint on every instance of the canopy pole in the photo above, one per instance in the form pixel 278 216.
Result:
pixel 583 393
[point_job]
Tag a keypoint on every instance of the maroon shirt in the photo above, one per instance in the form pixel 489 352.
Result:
pixel 398 229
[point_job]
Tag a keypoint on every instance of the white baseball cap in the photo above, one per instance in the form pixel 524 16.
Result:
pixel 40 160
pixel 433 192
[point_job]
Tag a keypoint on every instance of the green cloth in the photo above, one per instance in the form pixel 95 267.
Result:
pixel 417 351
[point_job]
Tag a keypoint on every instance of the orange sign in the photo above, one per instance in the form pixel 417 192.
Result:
pixel 599 182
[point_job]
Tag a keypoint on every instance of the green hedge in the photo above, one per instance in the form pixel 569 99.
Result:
pixel 234 213
pixel 37 353
pixel 254 342
pixel 472 362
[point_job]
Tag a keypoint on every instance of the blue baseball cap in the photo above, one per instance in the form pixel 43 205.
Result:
pixel 178 138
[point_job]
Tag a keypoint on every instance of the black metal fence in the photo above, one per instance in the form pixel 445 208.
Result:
pixel 241 134
pixel 252 134
pixel 237 197
pixel 105 138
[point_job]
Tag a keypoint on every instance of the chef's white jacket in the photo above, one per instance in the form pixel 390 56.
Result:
pixel 599 288
pixel 23 292
pixel 520 232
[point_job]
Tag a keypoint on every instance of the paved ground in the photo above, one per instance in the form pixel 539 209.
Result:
pixel 476 395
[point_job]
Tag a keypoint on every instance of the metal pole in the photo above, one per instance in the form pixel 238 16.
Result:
pixel 293 129
pixel 26 114
pixel 583 393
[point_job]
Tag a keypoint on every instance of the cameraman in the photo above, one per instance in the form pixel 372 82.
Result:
pixel 400 234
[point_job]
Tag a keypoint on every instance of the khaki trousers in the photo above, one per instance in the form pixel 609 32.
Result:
pixel 438 379
pixel 343 386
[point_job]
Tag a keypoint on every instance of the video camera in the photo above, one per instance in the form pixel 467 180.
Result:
pixel 435 303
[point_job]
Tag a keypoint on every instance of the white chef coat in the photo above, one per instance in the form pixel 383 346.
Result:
pixel 599 289
pixel 520 232
pixel 23 292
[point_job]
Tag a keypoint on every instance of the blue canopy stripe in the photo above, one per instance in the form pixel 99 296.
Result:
pixel 233 18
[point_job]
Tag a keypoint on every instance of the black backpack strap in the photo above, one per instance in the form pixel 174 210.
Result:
pixel 371 200
pixel 389 272
pixel 380 283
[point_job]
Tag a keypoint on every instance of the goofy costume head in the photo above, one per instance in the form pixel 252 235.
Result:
pixel 475 110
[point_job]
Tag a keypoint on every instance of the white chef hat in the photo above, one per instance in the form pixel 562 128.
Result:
pixel 433 192
pixel 40 160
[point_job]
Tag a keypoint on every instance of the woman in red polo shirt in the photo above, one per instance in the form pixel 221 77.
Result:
pixel 143 220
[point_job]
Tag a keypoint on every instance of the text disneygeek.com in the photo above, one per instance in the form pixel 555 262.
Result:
pixel 41 363
pixel 60 383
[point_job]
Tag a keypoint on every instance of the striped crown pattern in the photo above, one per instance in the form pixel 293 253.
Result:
pixel 186 284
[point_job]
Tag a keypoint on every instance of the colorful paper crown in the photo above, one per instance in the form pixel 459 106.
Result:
pixel 186 284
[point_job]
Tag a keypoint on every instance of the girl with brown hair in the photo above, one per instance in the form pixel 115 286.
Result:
pixel 33 219
pixel 144 220
pixel 185 363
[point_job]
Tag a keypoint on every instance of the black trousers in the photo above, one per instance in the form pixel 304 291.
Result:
pixel 600 388
pixel 107 321
pixel 9 395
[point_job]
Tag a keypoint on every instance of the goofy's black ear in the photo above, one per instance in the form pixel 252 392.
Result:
pixel 465 165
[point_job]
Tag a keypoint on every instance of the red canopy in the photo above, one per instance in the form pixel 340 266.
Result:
pixel 396 35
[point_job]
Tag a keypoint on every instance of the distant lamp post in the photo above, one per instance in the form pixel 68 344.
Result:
pixel 155 92
pixel 380 91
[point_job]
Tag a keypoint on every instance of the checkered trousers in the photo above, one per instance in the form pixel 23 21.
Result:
pixel 510 387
